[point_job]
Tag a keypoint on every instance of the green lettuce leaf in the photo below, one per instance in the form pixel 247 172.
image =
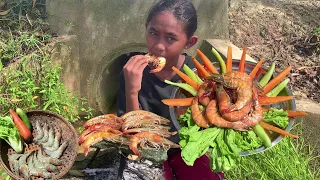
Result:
pixel 277 117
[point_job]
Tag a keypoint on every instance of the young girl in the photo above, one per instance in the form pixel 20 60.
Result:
pixel 170 30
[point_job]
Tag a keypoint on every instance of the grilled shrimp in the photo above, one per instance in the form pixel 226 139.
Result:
pixel 141 118
pixel 104 119
pixel 256 116
pixel 39 132
pixel 225 102
pixel 96 137
pixel 204 92
pixel 239 81
pixel 161 130
pixel 215 118
pixel 197 115
pixel 86 133
pixel 157 63
pixel 152 138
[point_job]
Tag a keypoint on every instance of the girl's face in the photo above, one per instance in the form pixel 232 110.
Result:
pixel 166 36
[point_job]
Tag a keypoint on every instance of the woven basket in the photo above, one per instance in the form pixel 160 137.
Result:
pixel 58 123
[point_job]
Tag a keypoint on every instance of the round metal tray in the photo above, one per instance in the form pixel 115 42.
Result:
pixel 287 105
pixel 56 121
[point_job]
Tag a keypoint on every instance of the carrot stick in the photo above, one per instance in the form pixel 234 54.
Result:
pixel 276 129
pixel 178 102
pixel 256 68
pixel 207 63
pixel 229 59
pixel 292 113
pixel 200 68
pixel 242 62
pixel 276 80
pixel 273 100
pixel 186 78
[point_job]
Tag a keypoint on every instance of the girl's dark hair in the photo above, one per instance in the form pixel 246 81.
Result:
pixel 183 10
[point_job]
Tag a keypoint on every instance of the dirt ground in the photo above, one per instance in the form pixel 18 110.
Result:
pixel 281 32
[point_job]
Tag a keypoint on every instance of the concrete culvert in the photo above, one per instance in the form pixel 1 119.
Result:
pixel 109 83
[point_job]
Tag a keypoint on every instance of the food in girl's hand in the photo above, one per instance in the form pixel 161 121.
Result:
pixel 233 103
pixel 156 63
pixel 139 127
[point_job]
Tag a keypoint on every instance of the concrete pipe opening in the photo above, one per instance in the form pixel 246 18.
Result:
pixel 108 88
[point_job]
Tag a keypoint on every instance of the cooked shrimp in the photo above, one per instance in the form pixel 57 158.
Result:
pixel 239 81
pixel 161 130
pixel 215 118
pixel 103 119
pixel 256 116
pixel 204 93
pixel 96 128
pixel 96 137
pixel 225 103
pixel 152 138
pixel 197 115
pixel 156 63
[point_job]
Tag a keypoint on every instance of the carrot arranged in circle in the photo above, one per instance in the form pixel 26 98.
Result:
pixel 273 100
pixel 178 102
pixel 256 68
pixel 292 113
pixel 229 59
pixel 276 129
pixel 207 63
pixel 276 80
pixel 186 78
pixel 200 68
pixel 242 62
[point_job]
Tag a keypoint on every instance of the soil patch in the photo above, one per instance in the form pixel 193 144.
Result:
pixel 281 32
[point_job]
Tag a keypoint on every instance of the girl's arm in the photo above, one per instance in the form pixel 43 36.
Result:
pixel 133 71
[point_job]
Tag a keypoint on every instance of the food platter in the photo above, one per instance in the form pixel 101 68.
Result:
pixel 176 111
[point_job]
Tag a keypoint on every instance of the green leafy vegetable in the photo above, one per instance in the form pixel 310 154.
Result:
pixel 277 117
pixel 10 134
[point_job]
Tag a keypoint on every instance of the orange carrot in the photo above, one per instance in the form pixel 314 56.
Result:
pixel 186 78
pixel 229 59
pixel 207 63
pixel 200 68
pixel 178 102
pixel 276 80
pixel 242 62
pixel 276 129
pixel 256 68
pixel 292 113
pixel 273 100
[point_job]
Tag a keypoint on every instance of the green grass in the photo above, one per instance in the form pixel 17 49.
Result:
pixel 290 159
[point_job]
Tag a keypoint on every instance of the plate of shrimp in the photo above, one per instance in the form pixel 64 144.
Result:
pixel 233 99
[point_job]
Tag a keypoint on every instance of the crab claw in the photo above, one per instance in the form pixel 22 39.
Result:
pixel 156 63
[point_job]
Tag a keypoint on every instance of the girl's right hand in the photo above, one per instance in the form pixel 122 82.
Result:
pixel 133 71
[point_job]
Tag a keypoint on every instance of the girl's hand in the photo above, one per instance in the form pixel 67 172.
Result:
pixel 133 71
